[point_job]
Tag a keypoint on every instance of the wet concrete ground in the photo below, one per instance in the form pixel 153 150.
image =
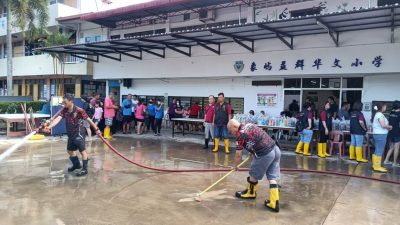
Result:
pixel 116 192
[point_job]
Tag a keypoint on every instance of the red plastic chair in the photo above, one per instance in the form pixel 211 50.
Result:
pixel 336 138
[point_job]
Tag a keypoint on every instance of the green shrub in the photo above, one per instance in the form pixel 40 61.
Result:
pixel 15 107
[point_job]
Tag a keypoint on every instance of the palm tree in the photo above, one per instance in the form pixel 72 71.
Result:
pixel 55 39
pixel 30 16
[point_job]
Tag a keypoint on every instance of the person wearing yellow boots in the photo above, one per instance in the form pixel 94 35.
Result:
pixel 223 114
pixel 380 127
pixel 306 121
pixel 266 161
pixel 358 129
pixel 109 114
pixel 325 126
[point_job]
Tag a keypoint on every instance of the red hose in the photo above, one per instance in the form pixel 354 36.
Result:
pixel 226 169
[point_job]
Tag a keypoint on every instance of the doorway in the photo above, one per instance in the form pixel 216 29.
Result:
pixel 319 97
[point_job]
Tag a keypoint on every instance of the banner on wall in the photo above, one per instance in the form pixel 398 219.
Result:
pixel 269 99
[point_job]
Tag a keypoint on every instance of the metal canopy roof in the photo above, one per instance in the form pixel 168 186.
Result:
pixel 244 35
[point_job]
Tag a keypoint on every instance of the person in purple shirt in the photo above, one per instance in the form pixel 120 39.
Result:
pixel 171 109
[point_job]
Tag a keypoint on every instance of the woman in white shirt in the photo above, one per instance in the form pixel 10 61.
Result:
pixel 381 127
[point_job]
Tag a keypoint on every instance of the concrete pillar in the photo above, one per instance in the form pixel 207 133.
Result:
pixel 23 91
pixel 78 87
pixel 35 92
pixel 168 26
pixel 251 14
pixel 47 82
pixel 15 89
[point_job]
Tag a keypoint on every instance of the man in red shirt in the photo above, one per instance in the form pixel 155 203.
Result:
pixel 209 112
pixel 194 113
pixel 223 114
pixel 74 118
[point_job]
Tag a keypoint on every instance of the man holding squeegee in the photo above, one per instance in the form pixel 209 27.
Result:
pixel 74 117
pixel 266 160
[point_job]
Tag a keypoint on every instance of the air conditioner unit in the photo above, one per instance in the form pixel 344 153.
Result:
pixel 207 14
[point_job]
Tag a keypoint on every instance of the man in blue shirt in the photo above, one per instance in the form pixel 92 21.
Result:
pixel 158 117
pixel 151 110
pixel 127 113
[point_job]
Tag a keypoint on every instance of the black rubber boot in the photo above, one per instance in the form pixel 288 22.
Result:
pixel 84 170
pixel 250 192
pixel 206 141
pixel 76 165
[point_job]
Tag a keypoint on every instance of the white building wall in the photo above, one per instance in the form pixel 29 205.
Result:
pixel 232 87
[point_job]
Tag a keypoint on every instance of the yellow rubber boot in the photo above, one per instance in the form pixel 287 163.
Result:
pixel 250 192
pixel 321 150
pixel 299 147
pixel 306 149
pixel 273 202
pixel 226 142
pixel 216 144
pixel 107 133
pixel 325 151
pixel 359 155
pixel 376 164
pixel 352 153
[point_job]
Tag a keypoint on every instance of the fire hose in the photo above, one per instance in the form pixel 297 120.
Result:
pixel 244 169
pixel 113 149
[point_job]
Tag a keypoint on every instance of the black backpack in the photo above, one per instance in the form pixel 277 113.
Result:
pixel 300 126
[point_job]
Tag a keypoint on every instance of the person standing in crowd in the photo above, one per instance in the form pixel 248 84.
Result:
pixel 98 113
pixel 358 130
pixel 118 119
pixel 209 112
pixel 140 115
pixel 109 114
pixel 151 112
pixel 195 114
pixel 262 114
pixel 171 110
pixel 89 109
pixel 223 114
pixel 394 134
pixel 158 117
pixel 95 99
pixel 334 108
pixel 179 114
pixel 307 119
pixel 266 161
pixel 252 117
pixel 135 102
pixel 127 114
pixel 344 111
pixel 294 107
pixel 380 128
pixel 325 126
pixel 74 117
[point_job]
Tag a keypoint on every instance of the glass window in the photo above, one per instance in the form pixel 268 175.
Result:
pixel 292 83
pixel 330 83
pixel 237 104
pixel 353 82
pixel 311 82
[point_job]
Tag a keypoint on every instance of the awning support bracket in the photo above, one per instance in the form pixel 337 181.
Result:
pixel 392 25
pixel 238 39
pixel 112 57
pixel 140 57
pixel 155 53
pixel 86 58
pixel 279 35
pixel 334 34
pixel 218 52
